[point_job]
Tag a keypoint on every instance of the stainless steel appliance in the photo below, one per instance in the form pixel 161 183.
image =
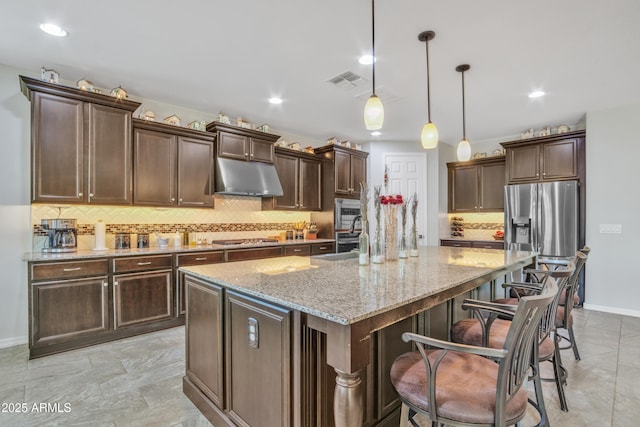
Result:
pixel 346 212
pixel 542 217
pixel 346 241
pixel 62 235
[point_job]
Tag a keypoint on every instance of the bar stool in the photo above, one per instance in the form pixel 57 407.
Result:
pixel 466 385
pixel 480 331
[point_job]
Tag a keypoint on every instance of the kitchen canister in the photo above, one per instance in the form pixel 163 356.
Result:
pixel 123 241
pixel 143 240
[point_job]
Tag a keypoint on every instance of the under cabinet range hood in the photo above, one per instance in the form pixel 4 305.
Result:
pixel 247 178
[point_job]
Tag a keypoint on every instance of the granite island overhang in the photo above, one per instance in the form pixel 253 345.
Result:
pixel 321 312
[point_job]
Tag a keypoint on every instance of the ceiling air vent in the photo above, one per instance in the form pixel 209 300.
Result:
pixel 347 80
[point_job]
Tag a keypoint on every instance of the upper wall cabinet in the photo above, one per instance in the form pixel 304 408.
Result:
pixel 346 169
pixel 477 185
pixel 551 158
pixel 301 180
pixel 173 166
pixel 243 144
pixel 80 145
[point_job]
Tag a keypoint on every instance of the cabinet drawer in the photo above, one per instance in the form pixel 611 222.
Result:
pixel 200 258
pixel 121 265
pixel 498 244
pixel 323 248
pixel 246 254
pixel 302 250
pixel 65 270
pixel 456 243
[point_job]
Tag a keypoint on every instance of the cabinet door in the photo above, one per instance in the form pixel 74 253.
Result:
pixel 192 259
pixel 142 297
pixel 261 151
pixel 342 165
pixel 258 377
pixel 154 182
pixel 310 194
pixel 287 168
pixel 204 343
pixel 57 149
pixel 491 193
pixel 463 189
pixel 524 163
pixel 65 310
pixel 233 146
pixel 560 160
pixel 195 172
pixel 257 253
pixel 109 153
pixel 456 243
pixel 358 173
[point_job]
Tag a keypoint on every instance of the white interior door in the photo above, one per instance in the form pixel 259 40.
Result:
pixel 406 175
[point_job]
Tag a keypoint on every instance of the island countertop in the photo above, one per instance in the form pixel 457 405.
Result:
pixel 345 293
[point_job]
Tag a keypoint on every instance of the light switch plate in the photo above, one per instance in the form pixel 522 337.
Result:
pixel 253 333
pixel 611 228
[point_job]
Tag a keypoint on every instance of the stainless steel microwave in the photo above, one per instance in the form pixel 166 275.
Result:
pixel 346 211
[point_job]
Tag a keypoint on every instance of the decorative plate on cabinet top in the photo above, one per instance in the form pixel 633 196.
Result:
pixel 172 120
pixel 150 116
pixel 563 129
pixel 83 84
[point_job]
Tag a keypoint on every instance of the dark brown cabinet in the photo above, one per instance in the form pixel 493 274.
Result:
pixel 300 176
pixel 258 362
pixel 344 170
pixel 551 158
pixel 82 288
pixel 480 244
pixel 183 260
pixel 243 144
pixel 477 185
pixel 146 294
pixel 80 145
pixel 204 339
pixel 172 166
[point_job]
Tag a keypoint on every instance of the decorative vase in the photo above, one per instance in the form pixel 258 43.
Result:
pixel 391 231
pixel 363 245
pixel 413 242
pixel 403 250
pixel 377 248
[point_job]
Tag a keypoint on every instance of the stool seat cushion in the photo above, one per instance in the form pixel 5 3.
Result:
pixel 469 331
pixel 466 387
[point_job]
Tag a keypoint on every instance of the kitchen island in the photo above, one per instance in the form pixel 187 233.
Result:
pixel 266 338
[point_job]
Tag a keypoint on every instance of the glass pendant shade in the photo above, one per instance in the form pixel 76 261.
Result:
pixel 429 136
pixel 464 151
pixel 373 113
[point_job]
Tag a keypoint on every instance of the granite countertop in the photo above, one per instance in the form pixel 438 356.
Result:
pixel 344 292
pixel 156 250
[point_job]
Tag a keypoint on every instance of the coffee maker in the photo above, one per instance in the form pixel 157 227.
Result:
pixel 62 235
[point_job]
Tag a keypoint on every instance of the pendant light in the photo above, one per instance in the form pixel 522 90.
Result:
pixel 464 148
pixel 429 135
pixel 373 109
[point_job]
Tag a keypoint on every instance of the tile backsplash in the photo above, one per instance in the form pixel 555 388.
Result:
pixel 480 226
pixel 233 217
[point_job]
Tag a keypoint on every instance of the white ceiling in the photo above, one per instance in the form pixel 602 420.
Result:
pixel 231 56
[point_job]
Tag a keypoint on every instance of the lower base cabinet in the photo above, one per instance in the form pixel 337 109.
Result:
pixel 86 310
pixel 142 298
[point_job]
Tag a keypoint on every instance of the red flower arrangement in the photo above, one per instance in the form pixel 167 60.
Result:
pixel 391 200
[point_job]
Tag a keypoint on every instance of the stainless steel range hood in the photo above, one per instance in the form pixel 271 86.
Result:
pixel 247 178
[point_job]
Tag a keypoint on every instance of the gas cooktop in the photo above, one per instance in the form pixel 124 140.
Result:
pixel 250 241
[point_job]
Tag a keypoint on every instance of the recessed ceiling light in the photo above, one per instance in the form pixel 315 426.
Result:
pixel 376 133
pixel 53 30
pixel 366 60
pixel 275 100
pixel 536 94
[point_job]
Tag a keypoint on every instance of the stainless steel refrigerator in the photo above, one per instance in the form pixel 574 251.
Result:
pixel 542 217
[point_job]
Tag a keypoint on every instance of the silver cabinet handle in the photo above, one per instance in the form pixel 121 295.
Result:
pixel 80 194
pixel 144 263
pixel 322 247
pixel 180 200
pixel 297 250
pixel 115 283
pixel 173 199
pixel 104 283
pixel 201 259
pixel 90 194
pixel 72 269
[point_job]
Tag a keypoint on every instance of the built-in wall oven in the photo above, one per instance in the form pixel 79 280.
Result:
pixel 347 232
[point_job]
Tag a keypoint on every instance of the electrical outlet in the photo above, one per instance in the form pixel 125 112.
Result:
pixel 253 333
pixel 611 228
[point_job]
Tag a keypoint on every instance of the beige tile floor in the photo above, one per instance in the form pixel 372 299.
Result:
pixel 137 381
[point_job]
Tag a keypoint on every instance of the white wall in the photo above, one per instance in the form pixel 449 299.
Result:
pixel 613 197
pixel 15 220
